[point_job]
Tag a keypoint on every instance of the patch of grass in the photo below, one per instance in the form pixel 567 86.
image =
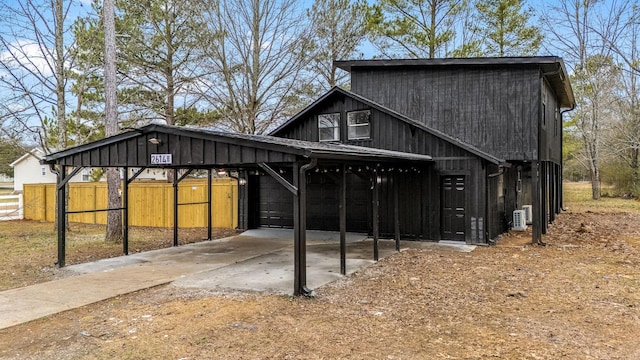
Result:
pixel 577 198
pixel 30 247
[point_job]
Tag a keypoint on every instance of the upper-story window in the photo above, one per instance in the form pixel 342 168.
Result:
pixel 358 124
pixel 329 127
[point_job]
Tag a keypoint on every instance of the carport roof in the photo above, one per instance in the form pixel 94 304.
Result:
pixel 194 148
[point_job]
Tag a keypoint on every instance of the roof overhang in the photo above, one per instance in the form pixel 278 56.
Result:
pixel 552 68
pixel 197 148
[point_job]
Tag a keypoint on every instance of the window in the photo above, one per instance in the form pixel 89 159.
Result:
pixel 358 124
pixel 329 127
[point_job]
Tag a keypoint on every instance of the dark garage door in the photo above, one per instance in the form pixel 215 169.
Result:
pixel 272 204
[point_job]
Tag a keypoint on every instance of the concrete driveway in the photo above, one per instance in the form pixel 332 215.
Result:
pixel 257 260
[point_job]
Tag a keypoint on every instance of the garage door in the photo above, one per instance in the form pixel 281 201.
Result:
pixel 270 204
pixel 273 204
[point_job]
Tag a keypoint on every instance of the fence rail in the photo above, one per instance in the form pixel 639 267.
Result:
pixel 11 207
pixel 150 203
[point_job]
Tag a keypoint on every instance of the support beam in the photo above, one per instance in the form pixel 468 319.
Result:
pixel 536 227
pixel 209 202
pixel 300 227
pixel 544 205
pixel 62 216
pixel 291 187
pixel 175 207
pixel 125 210
pixel 376 214
pixel 396 210
pixel 125 207
pixel 343 220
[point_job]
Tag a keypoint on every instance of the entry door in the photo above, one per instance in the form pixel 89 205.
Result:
pixel 453 207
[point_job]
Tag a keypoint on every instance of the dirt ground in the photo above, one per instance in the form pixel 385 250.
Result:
pixel 576 298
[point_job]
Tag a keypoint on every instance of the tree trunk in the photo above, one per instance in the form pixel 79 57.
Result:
pixel 114 218
pixel 595 182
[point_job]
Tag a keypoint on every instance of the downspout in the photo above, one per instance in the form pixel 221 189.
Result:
pixel 300 246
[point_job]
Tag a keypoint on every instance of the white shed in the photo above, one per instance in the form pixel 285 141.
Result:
pixel 28 170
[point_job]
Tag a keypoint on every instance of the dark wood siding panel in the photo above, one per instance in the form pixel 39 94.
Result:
pixel 491 108
pixel 551 149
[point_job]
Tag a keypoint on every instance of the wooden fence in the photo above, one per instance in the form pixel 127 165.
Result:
pixel 150 203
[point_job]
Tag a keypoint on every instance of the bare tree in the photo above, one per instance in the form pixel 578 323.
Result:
pixel 34 72
pixel 622 35
pixel 258 53
pixel 34 67
pixel 596 84
pixel 571 27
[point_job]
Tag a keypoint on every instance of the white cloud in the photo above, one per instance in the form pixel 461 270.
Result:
pixel 27 55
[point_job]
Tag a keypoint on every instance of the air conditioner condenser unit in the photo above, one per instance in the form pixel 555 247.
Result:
pixel 519 220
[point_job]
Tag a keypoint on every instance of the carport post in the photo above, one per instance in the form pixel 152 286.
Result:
pixel 125 213
pixel 175 207
pixel 343 220
pixel 62 215
pixel 376 213
pixel 300 227
pixel 209 171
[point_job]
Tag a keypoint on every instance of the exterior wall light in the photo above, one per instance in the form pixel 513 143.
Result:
pixel 155 141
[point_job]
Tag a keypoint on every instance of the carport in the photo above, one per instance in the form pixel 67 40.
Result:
pixel 188 149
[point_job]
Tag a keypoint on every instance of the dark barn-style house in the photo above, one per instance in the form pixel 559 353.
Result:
pixel 493 127
pixel 438 149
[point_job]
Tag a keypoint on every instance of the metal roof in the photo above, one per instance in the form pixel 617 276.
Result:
pixel 192 147
pixel 552 68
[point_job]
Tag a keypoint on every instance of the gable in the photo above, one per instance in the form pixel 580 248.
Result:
pixel 388 129
pixel 35 153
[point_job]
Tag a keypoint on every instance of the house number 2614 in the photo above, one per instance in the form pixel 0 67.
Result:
pixel 161 159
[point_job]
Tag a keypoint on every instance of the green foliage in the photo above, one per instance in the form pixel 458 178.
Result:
pixel 9 152
pixel 157 42
pixel 195 117
pixel 503 26
pixel 622 177
pixel 413 28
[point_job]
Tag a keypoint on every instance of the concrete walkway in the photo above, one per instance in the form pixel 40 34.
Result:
pixel 257 260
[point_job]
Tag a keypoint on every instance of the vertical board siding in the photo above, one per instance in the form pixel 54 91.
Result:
pixel 184 150
pixel 492 108
pixel 387 132
pixel 150 203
